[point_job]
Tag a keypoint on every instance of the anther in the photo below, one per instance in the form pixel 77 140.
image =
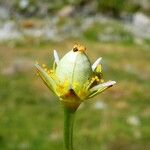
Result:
pixel 46 69
pixel 75 49
pixel 43 65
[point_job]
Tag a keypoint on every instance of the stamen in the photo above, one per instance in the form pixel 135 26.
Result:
pixel 102 80
pixel 82 94
pixel 97 80
pixel 51 71
pixel 43 65
pixel 46 69
pixel 91 82
pixel 99 68
pixel 75 84
pixel 96 77
pixel 63 87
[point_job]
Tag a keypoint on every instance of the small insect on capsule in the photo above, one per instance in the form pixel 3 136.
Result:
pixel 78 47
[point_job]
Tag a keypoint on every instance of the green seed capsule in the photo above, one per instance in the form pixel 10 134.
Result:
pixel 75 68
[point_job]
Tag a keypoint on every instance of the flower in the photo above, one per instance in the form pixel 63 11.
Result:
pixel 73 79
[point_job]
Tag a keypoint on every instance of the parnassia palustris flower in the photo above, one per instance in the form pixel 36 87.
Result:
pixel 73 79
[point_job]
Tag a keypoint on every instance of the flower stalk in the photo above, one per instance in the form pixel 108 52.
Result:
pixel 69 116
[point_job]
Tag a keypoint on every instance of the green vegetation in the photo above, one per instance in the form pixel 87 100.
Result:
pixel 115 8
pixel 111 6
pixel 108 32
pixel 32 118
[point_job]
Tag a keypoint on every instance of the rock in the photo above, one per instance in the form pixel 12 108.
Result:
pixel 23 64
pixel 145 4
pixel 4 12
pixel 141 25
pixel 23 4
pixel 66 11
pixel 89 8
pixel 133 120
pixel 87 23
pixel 52 34
pixel 28 24
pixel 139 20
pixel 99 105
pixel 9 71
pixel 138 41
pixel 109 38
pixel 8 31
pixel 20 65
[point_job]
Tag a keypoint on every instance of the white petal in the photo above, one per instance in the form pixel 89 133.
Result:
pixel 106 84
pixel 56 57
pixel 96 63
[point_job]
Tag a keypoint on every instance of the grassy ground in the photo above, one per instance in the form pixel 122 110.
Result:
pixel 32 118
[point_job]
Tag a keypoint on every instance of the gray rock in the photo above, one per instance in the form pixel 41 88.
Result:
pixel 23 4
pixel 145 4
pixel 100 105
pixel 8 31
pixel 109 38
pixel 66 11
pixel 140 26
pixel 8 71
pixel 4 12
pixel 133 120
pixel 20 65
pixel 139 20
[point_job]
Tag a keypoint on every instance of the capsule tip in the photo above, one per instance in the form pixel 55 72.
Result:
pixel 78 47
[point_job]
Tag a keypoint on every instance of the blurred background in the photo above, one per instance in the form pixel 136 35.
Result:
pixel 31 118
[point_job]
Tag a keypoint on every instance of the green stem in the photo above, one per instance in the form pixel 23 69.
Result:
pixel 68 128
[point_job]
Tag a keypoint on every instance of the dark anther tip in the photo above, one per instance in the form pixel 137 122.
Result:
pixel 75 49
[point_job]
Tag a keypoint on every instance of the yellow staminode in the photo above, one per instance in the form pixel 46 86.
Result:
pixel 62 88
pixel 92 81
pixel 75 84
pixel 43 65
pixel 46 69
pixel 99 68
